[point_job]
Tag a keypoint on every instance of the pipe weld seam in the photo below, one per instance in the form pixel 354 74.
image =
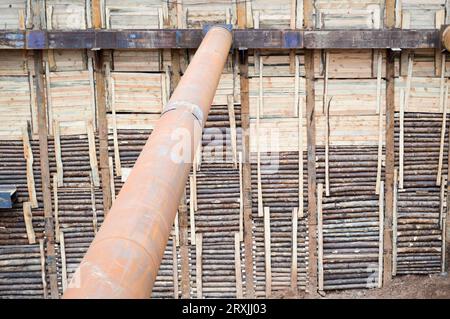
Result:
pixel 125 239
pixel 194 109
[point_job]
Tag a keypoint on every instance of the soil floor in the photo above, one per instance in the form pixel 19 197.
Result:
pixel 404 287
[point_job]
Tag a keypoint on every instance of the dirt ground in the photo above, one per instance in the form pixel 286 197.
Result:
pixel 404 287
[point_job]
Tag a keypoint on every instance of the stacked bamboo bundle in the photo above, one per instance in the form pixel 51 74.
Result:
pixel 280 196
pixel 13 171
pixel 420 203
pixel 351 222
pixel 165 285
pixel 215 219
pixel 76 202
pixel 218 265
pixel 21 271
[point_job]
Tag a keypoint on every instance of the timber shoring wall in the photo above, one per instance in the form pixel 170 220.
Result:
pixel 349 160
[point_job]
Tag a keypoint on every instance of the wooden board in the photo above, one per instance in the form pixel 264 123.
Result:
pixel 137 92
pixel 275 14
pixel 16 106
pixel 14 62
pixel 348 14
pixel 421 14
pixel 12 14
pixel 282 134
pixel 134 14
pixel 68 60
pixel 137 61
pixel 66 14
pixel 71 100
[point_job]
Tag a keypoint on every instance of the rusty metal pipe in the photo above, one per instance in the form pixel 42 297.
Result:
pixel 446 38
pixel 125 255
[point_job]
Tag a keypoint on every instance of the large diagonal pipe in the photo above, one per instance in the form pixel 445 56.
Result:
pixel 125 255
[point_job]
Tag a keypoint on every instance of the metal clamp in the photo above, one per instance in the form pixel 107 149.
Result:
pixel 190 107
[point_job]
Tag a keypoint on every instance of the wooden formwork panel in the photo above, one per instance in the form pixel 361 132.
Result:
pixel 71 101
pixel 134 14
pixel 17 106
pixel 13 14
pixel 66 15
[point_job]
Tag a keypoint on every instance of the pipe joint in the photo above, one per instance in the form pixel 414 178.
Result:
pixel 194 109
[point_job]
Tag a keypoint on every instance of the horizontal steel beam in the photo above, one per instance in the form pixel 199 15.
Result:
pixel 245 39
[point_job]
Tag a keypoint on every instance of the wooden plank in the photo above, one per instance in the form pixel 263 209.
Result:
pixel 92 90
pixel 100 66
pixel 444 251
pixel 199 265
pixel 406 21
pixel 45 174
pixel 260 107
pixel 267 252
pixel 294 264
pixel 441 85
pixel 292 23
pixel 114 127
pixel 442 140
pixel 49 96
pixel 193 195
pixel 326 110
pixel 112 186
pixel 58 157
pixel 232 118
pixel 394 226
pixel 308 11
pixel 446 222
pixel 96 10
pixel 320 236
pixel 311 146
pixel 184 248
pixel 191 209
pixel 439 58
pixel 299 108
pixel 28 155
pixel 401 151
pixel 380 124
pixel 237 265
pixel 34 125
pixel 176 230
pixel 62 247
pixel 246 175
pixel 390 14
pixel 56 205
pixel 390 166
pixel 442 202
pixel 43 276
pixel 93 204
pixel 92 153
pixel 175 269
pixel 380 234
pixel 28 219
pixel 241 12
pixel 241 201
